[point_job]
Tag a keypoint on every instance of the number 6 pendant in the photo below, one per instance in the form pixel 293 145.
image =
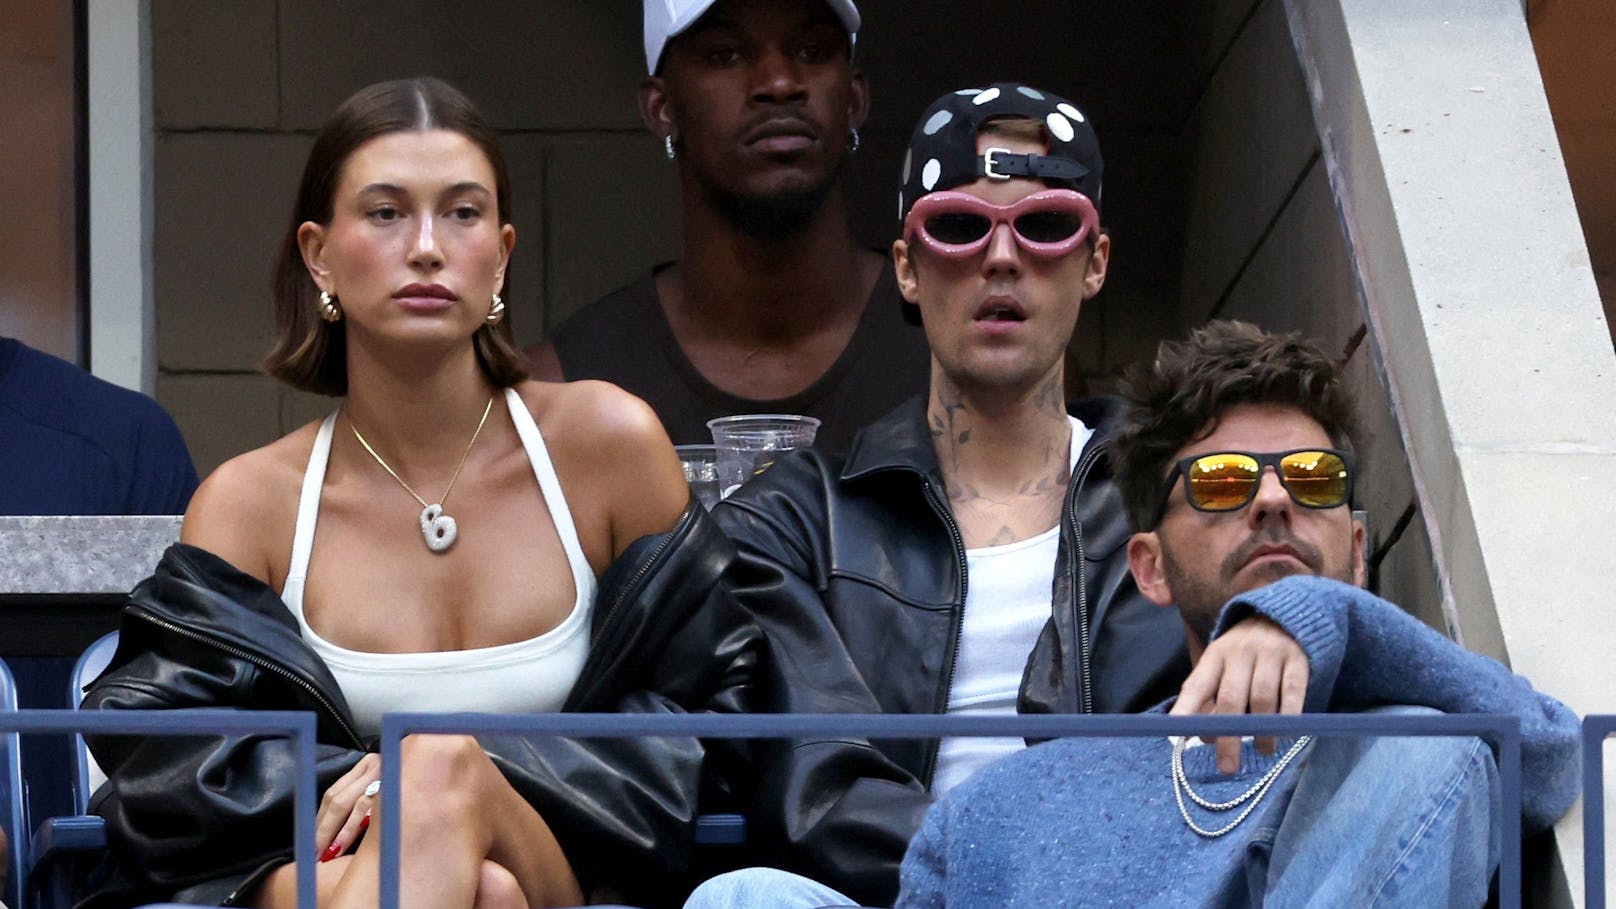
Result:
pixel 437 528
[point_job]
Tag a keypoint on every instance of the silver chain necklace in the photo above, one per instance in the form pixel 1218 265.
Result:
pixel 438 529
pixel 1253 795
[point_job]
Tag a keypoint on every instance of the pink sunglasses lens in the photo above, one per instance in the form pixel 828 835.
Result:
pixel 1048 226
pixel 957 228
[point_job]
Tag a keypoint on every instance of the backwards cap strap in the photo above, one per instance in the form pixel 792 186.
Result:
pixel 1002 164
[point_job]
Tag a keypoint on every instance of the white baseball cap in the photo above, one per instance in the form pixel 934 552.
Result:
pixel 666 18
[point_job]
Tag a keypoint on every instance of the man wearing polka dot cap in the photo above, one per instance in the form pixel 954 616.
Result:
pixel 942 153
pixel 773 306
pixel 967 556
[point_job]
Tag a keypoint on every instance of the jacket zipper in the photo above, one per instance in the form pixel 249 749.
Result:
pixel 1080 577
pixel 633 585
pixel 262 663
pixel 941 704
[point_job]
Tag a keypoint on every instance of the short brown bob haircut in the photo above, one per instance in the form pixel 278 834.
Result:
pixel 310 354
pixel 1180 397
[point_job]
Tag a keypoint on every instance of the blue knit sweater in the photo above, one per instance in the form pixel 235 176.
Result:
pixel 1093 822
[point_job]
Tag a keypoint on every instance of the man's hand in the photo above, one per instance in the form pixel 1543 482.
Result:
pixel 1254 667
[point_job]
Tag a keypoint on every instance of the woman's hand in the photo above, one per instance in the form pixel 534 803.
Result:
pixel 345 808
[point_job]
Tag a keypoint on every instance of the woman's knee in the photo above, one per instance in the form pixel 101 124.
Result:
pixel 497 888
pixel 440 776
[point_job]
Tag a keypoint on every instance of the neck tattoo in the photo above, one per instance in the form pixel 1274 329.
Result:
pixel 437 528
pixel 1250 798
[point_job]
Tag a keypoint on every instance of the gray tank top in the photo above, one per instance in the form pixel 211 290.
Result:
pixel 624 338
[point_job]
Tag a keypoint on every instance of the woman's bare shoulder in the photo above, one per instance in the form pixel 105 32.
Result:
pixel 592 411
pixel 246 505
pixel 613 449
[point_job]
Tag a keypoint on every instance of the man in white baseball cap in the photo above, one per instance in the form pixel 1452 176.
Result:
pixel 666 18
pixel 773 307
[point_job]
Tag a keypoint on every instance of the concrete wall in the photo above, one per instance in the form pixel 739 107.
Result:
pixel 1493 341
pixel 240 86
pixel 1263 242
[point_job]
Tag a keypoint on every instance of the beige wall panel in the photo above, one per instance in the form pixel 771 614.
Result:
pixel 213 64
pixel 299 407
pixel 1301 280
pixel 222 416
pixel 223 202
pixel 870 179
pixel 528 65
pixel 612 212
pixel 1128 65
pixel 525 295
pixel 1255 135
pixel 1142 210
pixel 1225 20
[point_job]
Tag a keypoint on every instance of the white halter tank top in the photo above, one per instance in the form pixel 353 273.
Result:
pixel 534 675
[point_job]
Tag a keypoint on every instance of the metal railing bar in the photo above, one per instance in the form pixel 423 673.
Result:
pixel 295 724
pixel 1502 730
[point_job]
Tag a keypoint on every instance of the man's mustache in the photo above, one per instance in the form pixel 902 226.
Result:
pixel 1273 535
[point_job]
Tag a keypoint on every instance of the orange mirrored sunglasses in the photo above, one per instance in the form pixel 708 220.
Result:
pixel 1228 480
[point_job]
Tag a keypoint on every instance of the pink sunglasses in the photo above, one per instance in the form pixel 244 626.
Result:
pixel 1048 223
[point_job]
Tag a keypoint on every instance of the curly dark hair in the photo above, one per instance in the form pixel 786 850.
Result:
pixel 1179 398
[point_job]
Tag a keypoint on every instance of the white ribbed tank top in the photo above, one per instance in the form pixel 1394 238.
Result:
pixel 534 675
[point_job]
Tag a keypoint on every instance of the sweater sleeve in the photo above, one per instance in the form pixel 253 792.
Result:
pixel 923 877
pixel 1365 652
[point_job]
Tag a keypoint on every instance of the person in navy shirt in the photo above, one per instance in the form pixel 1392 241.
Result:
pixel 73 444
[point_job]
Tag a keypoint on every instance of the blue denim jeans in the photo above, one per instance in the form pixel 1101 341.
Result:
pixel 1405 822
pixel 1383 822
pixel 757 888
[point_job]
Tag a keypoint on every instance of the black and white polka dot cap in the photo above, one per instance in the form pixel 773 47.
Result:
pixel 942 151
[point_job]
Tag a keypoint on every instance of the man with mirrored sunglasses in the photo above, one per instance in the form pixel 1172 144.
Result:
pixel 967 556
pixel 1234 462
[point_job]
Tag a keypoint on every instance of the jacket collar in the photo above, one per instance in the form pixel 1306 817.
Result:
pixel 901 440
pixel 203 593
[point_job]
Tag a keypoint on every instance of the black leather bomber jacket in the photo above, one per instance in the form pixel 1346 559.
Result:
pixel 201 818
pixel 855 570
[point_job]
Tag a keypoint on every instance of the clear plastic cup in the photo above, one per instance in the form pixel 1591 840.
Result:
pixel 701 471
pixel 748 443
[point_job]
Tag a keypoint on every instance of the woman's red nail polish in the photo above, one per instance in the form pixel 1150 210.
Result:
pixel 331 851
pixel 364 822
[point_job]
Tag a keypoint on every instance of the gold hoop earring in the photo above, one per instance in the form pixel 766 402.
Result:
pixel 496 311
pixel 330 309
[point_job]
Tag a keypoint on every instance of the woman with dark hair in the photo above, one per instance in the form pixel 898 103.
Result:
pixel 438 543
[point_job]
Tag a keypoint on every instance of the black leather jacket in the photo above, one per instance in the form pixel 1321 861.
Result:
pixel 855 571
pixel 202 817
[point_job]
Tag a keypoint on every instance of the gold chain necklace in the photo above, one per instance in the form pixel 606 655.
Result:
pixel 438 529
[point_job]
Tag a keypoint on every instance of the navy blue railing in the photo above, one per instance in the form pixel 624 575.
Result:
pixel 1503 731
pixel 1595 729
pixel 297 725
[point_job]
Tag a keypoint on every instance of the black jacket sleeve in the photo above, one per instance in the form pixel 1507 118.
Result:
pixel 184 811
pixel 668 639
pixel 837 810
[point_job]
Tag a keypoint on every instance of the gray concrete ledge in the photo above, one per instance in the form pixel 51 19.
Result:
pixel 81 554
